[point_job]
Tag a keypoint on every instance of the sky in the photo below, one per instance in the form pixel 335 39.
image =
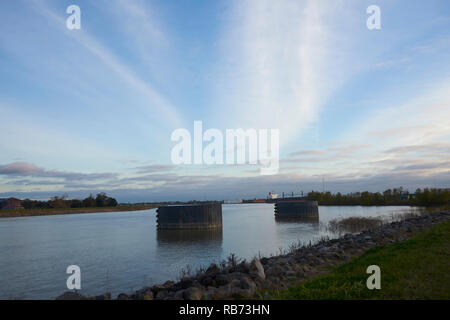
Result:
pixel 93 110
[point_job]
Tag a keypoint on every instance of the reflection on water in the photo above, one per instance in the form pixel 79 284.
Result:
pixel 123 251
pixel 198 236
pixel 291 219
pixel 187 249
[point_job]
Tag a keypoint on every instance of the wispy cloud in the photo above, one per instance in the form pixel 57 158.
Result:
pixel 97 104
pixel 307 153
pixel 429 148
pixel 142 28
pixel 282 60
pixel 172 187
pixel 154 168
pixel 158 107
pixel 24 169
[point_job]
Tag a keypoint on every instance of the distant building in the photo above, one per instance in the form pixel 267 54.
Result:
pixel 10 204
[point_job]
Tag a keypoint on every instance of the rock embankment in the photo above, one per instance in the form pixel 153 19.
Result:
pixel 245 279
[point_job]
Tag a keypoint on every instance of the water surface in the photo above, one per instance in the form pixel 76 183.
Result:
pixel 122 251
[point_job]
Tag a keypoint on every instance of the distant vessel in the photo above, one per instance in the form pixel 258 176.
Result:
pixel 273 195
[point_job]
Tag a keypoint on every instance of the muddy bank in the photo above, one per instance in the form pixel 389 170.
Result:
pixel 51 212
pixel 237 280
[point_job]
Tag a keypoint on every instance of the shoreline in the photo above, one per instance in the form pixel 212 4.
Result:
pixel 51 212
pixel 236 279
pixel 63 211
pixel 403 266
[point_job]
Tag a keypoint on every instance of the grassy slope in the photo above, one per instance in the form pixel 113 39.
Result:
pixel 418 268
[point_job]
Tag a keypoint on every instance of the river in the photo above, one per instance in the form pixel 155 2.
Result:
pixel 122 251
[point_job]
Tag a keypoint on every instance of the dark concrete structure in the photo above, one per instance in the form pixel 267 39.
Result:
pixel 193 216
pixel 296 209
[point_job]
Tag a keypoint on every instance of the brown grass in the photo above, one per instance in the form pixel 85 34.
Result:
pixel 354 224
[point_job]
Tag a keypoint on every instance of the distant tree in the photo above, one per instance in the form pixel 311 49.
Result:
pixel 101 200
pixel 432 197
pixel 89 202
pixel 27 204
pixel 366 198
pixel 41 204
pixel 75 203
pixel 58 202
pixel 112 202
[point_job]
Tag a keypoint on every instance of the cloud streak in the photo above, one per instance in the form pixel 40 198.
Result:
pixel 282 61
pixel 159 108
pixel 81 101
pixel 24 169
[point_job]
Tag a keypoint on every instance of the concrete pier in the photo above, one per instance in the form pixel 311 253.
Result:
pixel 193 216
pixel 296 209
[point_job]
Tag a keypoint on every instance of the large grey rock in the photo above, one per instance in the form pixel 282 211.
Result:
pixel 193 293
pixel 185 283
pixel 161 295
pixel 248 284
pixel 235 283
pixel 222 279
pixel 157 289
pixel 274 271
pixel 242 267
pixel 168 283
pixel 179 295
pixel 222 293
pixel 206 281
pixel 143 294
pixel 238 293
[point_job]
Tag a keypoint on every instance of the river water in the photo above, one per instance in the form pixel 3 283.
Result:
pixel 122 251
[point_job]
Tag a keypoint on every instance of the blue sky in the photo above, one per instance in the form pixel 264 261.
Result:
pixel 93 110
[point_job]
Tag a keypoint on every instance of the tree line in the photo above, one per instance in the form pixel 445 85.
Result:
pixel 396 196
pixel 101 200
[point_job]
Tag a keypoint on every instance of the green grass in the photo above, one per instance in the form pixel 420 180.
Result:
pixel 418 268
